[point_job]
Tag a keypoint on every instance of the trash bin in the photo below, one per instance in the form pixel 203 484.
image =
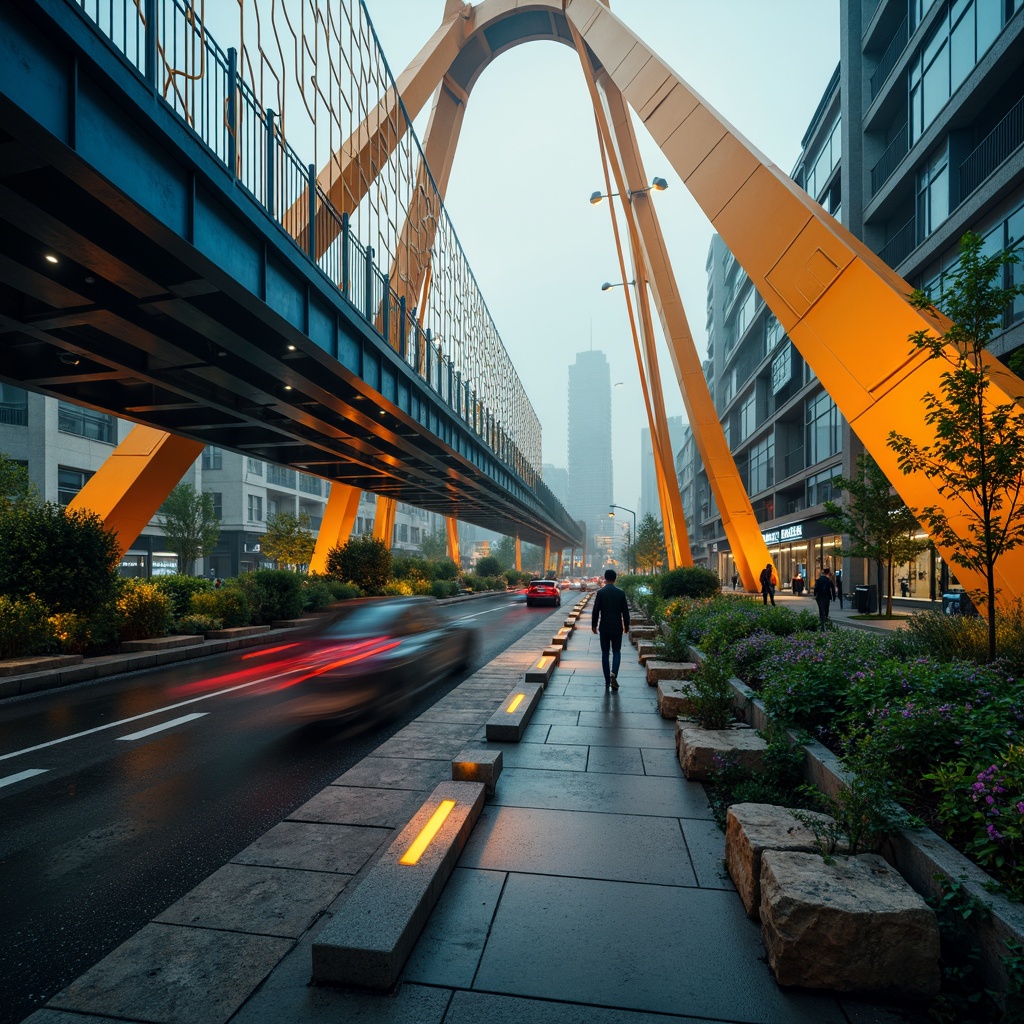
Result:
pixel 864 598
pixel 958 602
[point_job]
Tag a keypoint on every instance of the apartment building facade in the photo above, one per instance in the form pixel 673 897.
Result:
pixel 918 138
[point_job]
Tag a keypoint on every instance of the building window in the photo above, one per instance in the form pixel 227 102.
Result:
pixel 309 484
pixel 97 426
pixel 218 504
pixel 280 476
pixel 403 533
pixel 748 416
pixel 819 486
pixel 414 535
pixel 761 469
pixel 13 405
pixel 70 482
pixel 933 193
pixel 825 162
pixel 823 437
pixel 254 466
pixel 213 458
pixel 782 369
pixel 255 508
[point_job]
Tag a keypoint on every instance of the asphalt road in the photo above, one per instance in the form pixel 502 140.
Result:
pixel 118 797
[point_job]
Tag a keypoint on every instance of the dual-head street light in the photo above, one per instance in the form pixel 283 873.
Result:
pixel 657 185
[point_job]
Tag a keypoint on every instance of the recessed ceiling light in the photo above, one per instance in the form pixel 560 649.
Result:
pixel 291 348
pixel 382 413
pixel 50 258
pixel 287 387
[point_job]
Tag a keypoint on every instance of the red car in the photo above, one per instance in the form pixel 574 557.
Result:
pixel 542 591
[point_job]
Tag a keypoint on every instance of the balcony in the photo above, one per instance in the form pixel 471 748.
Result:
pixel 280 476
pixel 890 159
pixel 901 245
pixel 793 462
pixel 1000 143
pixel 889 59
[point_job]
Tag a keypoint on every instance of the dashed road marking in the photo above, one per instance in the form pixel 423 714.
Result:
pixel 164 725
pixel 28 773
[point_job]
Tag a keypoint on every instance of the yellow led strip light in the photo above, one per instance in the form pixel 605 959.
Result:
pixel 427 833
pixel 520 697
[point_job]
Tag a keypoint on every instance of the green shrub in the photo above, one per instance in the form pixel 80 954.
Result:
pixel 197 624
pixel 444 569
pixel 364 561
pixel 778 781
pixel 25 629
pixel 317 593
pixel 71 632
pixel 145 610
pixel 444 588
pixel 65 558
pixel 180 588
pixel 489 565
pixel 411 567
pixel 272 594
pixel 229 604
pixel 712 695
pixel 398 588
pixel 345 591
pixel 689 581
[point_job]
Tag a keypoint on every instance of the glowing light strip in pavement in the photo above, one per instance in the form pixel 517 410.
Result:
pixel 520 697
pixel 427 833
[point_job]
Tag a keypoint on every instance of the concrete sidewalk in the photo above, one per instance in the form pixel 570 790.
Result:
pixel 591 891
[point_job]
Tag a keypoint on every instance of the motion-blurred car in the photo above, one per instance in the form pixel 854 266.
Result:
pixel 375 656
pixel 543 592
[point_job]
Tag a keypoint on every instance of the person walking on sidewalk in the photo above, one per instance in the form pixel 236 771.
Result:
pixel 824 595
pixel 610 620
pixel 769 581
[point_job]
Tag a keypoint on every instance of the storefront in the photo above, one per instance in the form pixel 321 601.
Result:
pixel 796 549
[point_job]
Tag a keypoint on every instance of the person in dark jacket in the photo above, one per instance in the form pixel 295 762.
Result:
pixel 768 581
pixel 824 594
pixel 610 620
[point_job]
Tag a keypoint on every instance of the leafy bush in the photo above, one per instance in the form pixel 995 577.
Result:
pixel 317 594
pixel 445 569
pixel 778 781
pixel 229 604
pixel 489 565
pixel 364 561
pixel 712 695
pixel 65 558
pixel 180 588
pixel 272 594
pixel 689 581
pixel 145 610
pixel 444 588
pixel 398 588
pixel 72 632
pixel 345 591
pixel 411 567
pixel 191 625
pixel 25 629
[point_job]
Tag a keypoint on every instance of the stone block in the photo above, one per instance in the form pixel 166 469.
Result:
pixel 851 926
pixel 658 670
pixel 478 765
pixel 698 748
pixel 560 639
pixel 675 698
pixel 160 643
pixel 235 632
pixel 750 829
pixel 645 651
pixel 541 671
pixel 368 941
pixel 638 633
pixel 22 666
pixel 551 651
pixel 509 722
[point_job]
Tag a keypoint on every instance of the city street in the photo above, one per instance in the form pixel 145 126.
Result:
pixel 118 797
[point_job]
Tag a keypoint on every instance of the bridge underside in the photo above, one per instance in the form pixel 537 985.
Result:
pixel 175 304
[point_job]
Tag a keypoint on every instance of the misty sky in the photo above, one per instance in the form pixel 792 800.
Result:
pixel 528 161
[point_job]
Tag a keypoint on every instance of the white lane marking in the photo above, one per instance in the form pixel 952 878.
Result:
pixel 489 611
pixel 165 725
pixel 27 774
pixel 148 714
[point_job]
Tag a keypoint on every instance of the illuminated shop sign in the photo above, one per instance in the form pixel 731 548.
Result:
pixel 794 532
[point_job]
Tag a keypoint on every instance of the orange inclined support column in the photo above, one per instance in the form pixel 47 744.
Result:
pixel 451 525
pixel 336 528
pixel 384 520
pixel 134 482
pixel 519 556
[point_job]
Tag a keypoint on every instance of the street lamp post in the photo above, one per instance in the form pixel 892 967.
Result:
pixel 632 537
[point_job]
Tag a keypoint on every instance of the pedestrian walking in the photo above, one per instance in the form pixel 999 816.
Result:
pixel 610 620
pixel 837 577
pixel 769 581
pixel 735 579
pixel 824 592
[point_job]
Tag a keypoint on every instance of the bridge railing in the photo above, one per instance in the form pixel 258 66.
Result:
pixel 168 44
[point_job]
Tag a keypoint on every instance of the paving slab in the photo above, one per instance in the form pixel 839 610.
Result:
pixel 608 794
pixel 580 702
pixel 613 736
pixel 544 755
pixel 256 899
pixel 348 805
pixel 552 716
pixel 619 718
pixel 449 950
pixel 706 844
pixel 45 1016
pixel 616 760
pixel 483 1008
pixel 624 847
pixel 314 846
pixel 394 773
pixel 452 715
pixel 659 761
pixel 427 747
pixel 171 975
pixel 655 948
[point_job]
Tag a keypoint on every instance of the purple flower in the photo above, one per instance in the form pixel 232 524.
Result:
pixel 993 833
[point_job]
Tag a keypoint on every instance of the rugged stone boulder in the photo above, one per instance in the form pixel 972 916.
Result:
pixel 750 829
pixel 675 698
pixel 698 748
pixel 850 926
pixel 658 670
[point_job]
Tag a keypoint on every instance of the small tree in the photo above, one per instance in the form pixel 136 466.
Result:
pixel 977 455
pixel 489 565
pixel 364 561
pixel 878 522
pixel 14 482
pixel 190 524
pixel 649 547
pixel 434 545
pixel 288 540
pixel 505 552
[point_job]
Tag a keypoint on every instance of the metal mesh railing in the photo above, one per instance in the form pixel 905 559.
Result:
pixel 372 219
